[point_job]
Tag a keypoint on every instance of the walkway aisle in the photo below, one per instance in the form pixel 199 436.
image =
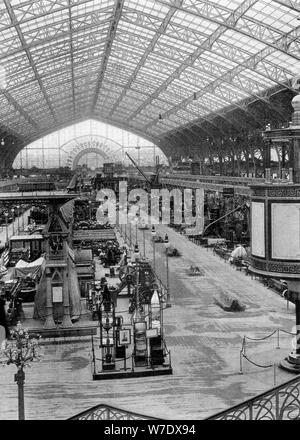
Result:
pixel 204 342
pixel 204 339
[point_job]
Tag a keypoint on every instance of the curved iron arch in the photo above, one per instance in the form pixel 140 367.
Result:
pixel 87 151
pixel 93 144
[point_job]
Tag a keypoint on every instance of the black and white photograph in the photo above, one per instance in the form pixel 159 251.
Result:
pixel 150 213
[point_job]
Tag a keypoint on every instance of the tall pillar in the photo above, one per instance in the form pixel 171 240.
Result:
pixel 49 322
pixel 283 161
pixel 220 164
pixel 296 161
pixel 267 160
pixel 66 322
pixel 233 163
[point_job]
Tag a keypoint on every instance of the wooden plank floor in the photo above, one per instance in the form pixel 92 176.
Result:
pixel 204 342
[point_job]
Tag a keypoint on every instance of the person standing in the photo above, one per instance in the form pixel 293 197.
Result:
pixel 3 320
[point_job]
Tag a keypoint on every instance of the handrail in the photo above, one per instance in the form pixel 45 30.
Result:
pixel 262 404
pixel 105 412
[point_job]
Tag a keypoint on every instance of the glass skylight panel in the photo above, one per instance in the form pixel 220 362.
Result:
pixel 220 62
pixel 107 86
pixel 227 50
pixel 284 60
pixel 250 45
pixel 168 96
pixel 212 100
pixel 4 16
pixel 194 22
pixel 234 90
pixel 156 78
pixel 158 8
pixel 179 120
pixel 129 101
pixel 230 4
pixel 165 124
pixel 185 114
pixel 177 92
pixel 7 34
pixel 48 52
pixel 168 61
pixel 274 14
pixel 61 77
pixel 176 43
pixel 141 120
pixel 184 89
pixel 134 94
pixel 162 105
pixel 265 82
pixel 196 108
pixel 200 74
pixel 89 38
pixel 144 88
pixel 139 30
pixel 90 6
pixel 148 6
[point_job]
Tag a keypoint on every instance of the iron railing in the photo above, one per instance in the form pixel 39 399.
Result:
pixel 279 403
pixel 107 412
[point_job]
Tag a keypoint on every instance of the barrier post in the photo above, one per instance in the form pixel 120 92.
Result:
pixel 278 346
pixel 93 351
pixel 241 362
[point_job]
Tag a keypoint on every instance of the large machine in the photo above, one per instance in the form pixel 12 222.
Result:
pixel 153 180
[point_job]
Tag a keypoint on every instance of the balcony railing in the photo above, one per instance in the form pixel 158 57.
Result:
pixel 106 412
pixel 279 403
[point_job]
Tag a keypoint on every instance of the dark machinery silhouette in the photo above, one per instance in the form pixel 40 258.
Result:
pixel 153 180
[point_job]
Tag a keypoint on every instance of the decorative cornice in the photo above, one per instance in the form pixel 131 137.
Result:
pixel 276 268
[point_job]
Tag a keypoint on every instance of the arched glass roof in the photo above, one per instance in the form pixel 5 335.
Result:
pixel 149 66
pixel 56 149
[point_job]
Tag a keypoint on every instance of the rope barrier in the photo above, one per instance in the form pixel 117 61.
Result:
pixel 254 363
pixel 290 333
pixel 243 350
pixel 261 339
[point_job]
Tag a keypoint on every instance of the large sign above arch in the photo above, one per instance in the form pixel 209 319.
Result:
pixel 78 147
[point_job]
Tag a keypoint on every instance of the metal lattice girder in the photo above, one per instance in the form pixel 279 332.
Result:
pixel 236 21
pixel 71 54
pixel 239 82
pixel 23 43
pixel 88 58
pixel 148 50
pixel 233 78
pixel 195 37
pixel 112 32
pixel 254 60
pixel 19 109
pixel 51 35
pixel 208 43
pixel 292 4
pixel 10 131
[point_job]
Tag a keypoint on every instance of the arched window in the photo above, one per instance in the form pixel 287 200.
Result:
pixel 90 142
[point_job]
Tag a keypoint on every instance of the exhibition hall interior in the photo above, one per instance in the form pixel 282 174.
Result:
pixel 149 210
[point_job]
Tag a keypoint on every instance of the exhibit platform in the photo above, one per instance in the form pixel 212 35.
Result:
pixel 129 373
pixel 83 327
